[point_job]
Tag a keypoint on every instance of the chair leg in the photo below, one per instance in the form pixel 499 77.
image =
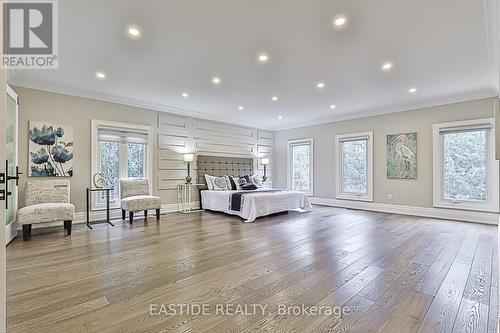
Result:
pixel 131 217
pixel 123 214
pixel 26 232
pixel 67 226
pixel 158 214
pixel 146 214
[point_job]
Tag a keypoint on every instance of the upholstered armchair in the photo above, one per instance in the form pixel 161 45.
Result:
pixel 135 197
pixel 46 201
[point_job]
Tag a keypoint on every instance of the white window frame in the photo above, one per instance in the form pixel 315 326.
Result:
pixel 297 142
pixel 491 205
pixel 368 196
pixel 96 151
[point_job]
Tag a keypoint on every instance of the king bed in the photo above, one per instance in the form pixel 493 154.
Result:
pixel 247 204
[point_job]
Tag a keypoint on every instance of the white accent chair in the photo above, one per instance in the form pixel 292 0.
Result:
pixel 46 201
pixel 135 197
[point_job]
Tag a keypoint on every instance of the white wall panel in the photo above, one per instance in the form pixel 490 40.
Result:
pixel 213 146
pixel 172 142
pixel 166 121
pixel 265 137
pixel 264 150
pixel 226 130
pixel 177 134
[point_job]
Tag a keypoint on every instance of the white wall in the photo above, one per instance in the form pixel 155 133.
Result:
pixel 405 192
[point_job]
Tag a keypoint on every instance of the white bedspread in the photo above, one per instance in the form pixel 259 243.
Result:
pixel 256 204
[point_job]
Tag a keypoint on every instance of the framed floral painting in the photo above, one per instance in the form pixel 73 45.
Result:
pixel 50 149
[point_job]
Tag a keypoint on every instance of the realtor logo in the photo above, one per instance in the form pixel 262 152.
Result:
pixel 30 35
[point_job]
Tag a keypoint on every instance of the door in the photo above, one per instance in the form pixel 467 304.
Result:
pixel 11 165
pixel 3 105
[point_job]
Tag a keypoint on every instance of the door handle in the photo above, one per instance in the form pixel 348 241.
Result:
pixel 7 178
pixel 6 196
pixel 16 177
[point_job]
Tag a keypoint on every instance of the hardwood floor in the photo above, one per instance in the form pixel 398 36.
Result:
pixel 375 272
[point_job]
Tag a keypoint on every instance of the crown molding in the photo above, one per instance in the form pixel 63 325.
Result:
pixel 466 97
pixel 54 88
pixel 102 97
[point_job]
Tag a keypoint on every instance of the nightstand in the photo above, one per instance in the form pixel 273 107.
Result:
pixel 185 198
pixel 267 184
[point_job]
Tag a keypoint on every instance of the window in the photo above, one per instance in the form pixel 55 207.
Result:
pixel 136 160
pixel 465 170
pixel 354 172
pixel 120 151
pixel 300 165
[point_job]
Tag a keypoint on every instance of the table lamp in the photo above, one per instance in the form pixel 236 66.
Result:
pixel 188 158
pixel 264 162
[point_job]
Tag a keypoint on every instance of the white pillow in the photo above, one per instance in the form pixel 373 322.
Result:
pixel 257 181
pixel 209 180
pixel 220 183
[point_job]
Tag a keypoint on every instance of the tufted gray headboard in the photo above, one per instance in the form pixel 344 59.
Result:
pixel 221 166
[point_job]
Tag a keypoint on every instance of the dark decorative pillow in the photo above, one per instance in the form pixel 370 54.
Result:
pixel 249 186
pixel 238 182
pixel 233 184
pixel 248 179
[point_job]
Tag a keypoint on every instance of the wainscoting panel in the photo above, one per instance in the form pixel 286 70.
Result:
pixel 178 135
pixel 220 147
pixel 166 122
pixel 205 129
pixel 169 141
pixel 266 138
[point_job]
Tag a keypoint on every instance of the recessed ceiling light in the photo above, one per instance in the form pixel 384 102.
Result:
pixel 274 98
pixel 134 32
pixel 280 117
pixel 387 66
pixel 333 106
pixel 263 58
pixel 412 90
pixel 185 95
pixel 216 80
pixel 320 85
pixel 241 108
pixel 100 75
pixel 339 21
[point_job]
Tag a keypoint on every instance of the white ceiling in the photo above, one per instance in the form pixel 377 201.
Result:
pixel 445 48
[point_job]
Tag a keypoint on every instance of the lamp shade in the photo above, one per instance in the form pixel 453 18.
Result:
pixel 264 161
pixel 188 157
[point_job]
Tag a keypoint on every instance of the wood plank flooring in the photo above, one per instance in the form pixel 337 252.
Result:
pixel 375 272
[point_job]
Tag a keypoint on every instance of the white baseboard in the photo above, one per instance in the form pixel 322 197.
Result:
pixel 100 215
pixel 438 213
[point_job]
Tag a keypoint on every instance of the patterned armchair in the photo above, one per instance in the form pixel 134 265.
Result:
pixel 46 201
pixel 134 193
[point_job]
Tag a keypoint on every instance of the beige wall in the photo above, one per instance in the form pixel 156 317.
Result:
pixel 405 192
pixel 38 105
pixel 172 133
pixel 42 106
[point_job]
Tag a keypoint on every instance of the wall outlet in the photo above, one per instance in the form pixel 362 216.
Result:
pixel 389 196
